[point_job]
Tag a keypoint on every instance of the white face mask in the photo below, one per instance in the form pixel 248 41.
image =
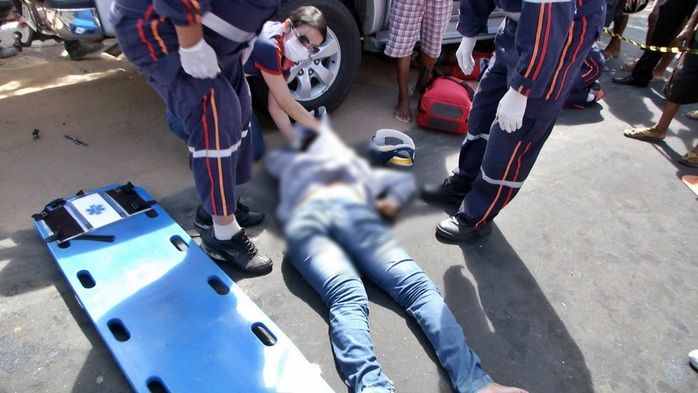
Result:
pixel 294 50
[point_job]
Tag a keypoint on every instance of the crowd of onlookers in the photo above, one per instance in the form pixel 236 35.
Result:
pixel 672 23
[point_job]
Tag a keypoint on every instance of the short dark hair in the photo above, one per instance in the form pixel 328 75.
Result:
pixel 309 16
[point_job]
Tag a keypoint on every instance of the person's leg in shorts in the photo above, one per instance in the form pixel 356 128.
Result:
pixel 678 91
pixel 434 23
pixel 405 21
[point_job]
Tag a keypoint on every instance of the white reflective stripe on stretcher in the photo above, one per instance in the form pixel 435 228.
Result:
pixel 213 153
pixel 507 183
pixel 224 28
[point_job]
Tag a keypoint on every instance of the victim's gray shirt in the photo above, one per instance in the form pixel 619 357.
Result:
pixel 329 161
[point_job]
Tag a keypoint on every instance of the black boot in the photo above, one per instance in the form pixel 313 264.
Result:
pixel 456 229
pixel 451 191
pixel 630 80
pixel 239 251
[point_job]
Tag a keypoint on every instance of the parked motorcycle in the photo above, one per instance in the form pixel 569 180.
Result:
pixel 81 24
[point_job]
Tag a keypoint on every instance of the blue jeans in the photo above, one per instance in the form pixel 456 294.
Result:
pixel 258 146
pixel 330 242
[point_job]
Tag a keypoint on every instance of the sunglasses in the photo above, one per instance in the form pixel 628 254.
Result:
pixel 305 41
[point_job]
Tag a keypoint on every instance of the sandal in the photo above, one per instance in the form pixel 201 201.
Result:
pixel 693 115
pixel 690 159
pixel 643 134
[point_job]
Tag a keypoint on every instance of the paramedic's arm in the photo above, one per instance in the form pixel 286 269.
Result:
pixel 189 35
pixel 279 90
pixel 197 58
pixel 542 37
pixel 184 14
pixel 473 16
pixel 283 123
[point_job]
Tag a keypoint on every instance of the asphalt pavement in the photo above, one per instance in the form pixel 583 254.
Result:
pixel 587 284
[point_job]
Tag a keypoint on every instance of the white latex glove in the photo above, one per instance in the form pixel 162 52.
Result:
pixel 199 61
pixel 464 54
pixel 511 110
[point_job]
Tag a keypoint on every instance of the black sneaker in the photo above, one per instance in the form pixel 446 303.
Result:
pixel 451 191
pixel 239 251
pixel 456 229
pixel 243 215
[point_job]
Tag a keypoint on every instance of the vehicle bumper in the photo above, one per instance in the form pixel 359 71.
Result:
pixel 75 23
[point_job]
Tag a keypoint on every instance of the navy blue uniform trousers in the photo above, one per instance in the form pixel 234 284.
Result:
pixel 498 162
pixel 591 69
pixel 216 113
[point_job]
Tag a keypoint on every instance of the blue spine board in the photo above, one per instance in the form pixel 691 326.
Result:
pixel 163 322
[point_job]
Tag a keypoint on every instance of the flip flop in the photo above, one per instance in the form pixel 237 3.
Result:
pixel 693 115
pixel 690 159
pixel 642 134
pixel 401 118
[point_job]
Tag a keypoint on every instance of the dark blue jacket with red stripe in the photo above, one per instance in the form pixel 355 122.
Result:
pixel 234 21
pixel 542 38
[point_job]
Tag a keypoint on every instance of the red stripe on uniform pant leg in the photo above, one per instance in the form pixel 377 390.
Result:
pixel 499 191
pixel 516 175
pixel 561 61
pixel 204 124
pixel 591 68
pixel 595 70
pixel 154 28
pixel 221 186
pixel 574 56
pixel 531 64
pixel 549 15
pixel 141 34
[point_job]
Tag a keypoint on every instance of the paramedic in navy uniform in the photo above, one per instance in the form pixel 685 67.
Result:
pixel 539 50
pixel 278 48
pixel 190 53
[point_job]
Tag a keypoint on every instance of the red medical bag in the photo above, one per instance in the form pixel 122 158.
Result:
pixel 445 105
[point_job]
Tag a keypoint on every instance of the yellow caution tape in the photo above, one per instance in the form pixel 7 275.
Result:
pixel 653 48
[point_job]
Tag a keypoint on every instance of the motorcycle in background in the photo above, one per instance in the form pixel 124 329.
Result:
pixel 82 25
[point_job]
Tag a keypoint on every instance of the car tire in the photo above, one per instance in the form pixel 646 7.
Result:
pixel 340 24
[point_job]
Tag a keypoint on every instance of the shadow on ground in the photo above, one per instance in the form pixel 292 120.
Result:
pixel 513 325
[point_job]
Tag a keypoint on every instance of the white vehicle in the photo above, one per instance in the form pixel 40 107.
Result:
pixel 324 79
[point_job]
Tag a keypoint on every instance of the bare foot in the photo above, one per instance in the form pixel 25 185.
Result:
pixel 497 388
pixel 611 50
pixel 402 110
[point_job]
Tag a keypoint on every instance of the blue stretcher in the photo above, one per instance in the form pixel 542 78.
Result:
pixel 172 319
